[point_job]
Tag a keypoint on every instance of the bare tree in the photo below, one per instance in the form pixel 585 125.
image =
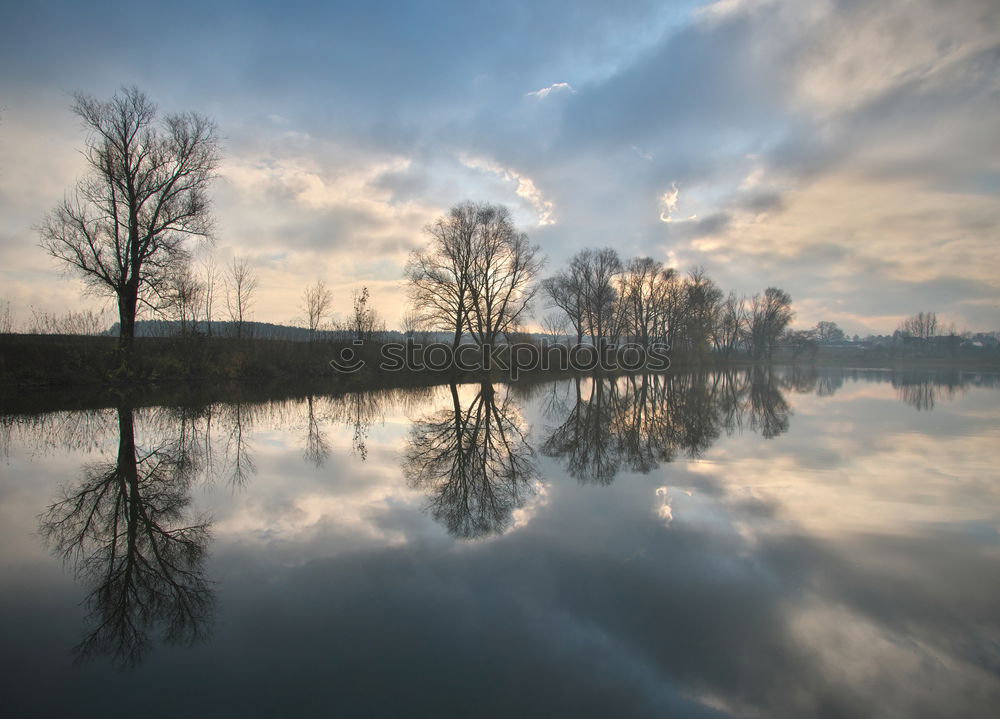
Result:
pixel 565 291
pixel 643 292
pixel 923 325
pixel 414 326
pixel 477 275
pixel 210 278
pixel 125 226
pixel 185 295
pixel 409 323
pixel 598 270
pixel 365 321
pixel 241 283
pixel 730 324
pixel 554 326
pixel 501 276
pixel 703 297
pixel 316 301
pixel 769 315
pixel 439 274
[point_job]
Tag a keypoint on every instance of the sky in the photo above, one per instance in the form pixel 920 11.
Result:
pixel 845 151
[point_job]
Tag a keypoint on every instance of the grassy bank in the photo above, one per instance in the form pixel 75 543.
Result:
pixel 39 363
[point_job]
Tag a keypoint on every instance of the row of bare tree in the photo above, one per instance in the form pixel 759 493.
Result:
pixel 191 300
pixel 601 298
pixel 190 296
pixel 478 275
pixel 125 231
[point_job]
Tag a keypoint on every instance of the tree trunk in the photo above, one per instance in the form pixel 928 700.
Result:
pixel 458 333
pixel 128 301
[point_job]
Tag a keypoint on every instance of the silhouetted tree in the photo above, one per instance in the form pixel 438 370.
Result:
pixel 802 342
pixel 730 325
pixel 769 315
pixel 439 275
pixel 124 228
pixel 502 276
pixel 316 301
pixel 565 291
pixel 599 270
pixel 241 285
pixel 365 321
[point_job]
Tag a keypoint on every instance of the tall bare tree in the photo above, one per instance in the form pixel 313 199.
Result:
pixel 125 226
pixel 501 276
pixel 477 275
pixel 439 274
pixel 643 292
pixel 241 284
pixel 316 302
pixel 730 324
pixel 769 315
pixel 565 291
pixel 703 298
pixel 599 268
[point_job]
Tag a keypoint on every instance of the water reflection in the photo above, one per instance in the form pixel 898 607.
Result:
pixel 125 528
pixel 128 528
pixel 474 461
pixel 635 423
pixel 919 388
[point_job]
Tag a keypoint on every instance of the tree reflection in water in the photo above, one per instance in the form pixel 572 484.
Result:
pixel 634 423
pixel 474 461
pixel 125 525
pixel 124 528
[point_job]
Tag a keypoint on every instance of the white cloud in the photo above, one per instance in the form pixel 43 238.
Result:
pixel 555 87
pixel 669 201
pixel 525 187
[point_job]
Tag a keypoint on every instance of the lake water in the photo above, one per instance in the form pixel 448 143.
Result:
pixel 750 544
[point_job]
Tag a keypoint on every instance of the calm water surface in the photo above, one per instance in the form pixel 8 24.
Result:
pixel 777 544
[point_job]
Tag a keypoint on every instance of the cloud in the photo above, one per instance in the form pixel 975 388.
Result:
pixel 669 200
pixel 555 87
pixel 524 186
pixel 790 126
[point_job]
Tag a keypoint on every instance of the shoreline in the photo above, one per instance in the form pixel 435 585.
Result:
pixel 40 373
